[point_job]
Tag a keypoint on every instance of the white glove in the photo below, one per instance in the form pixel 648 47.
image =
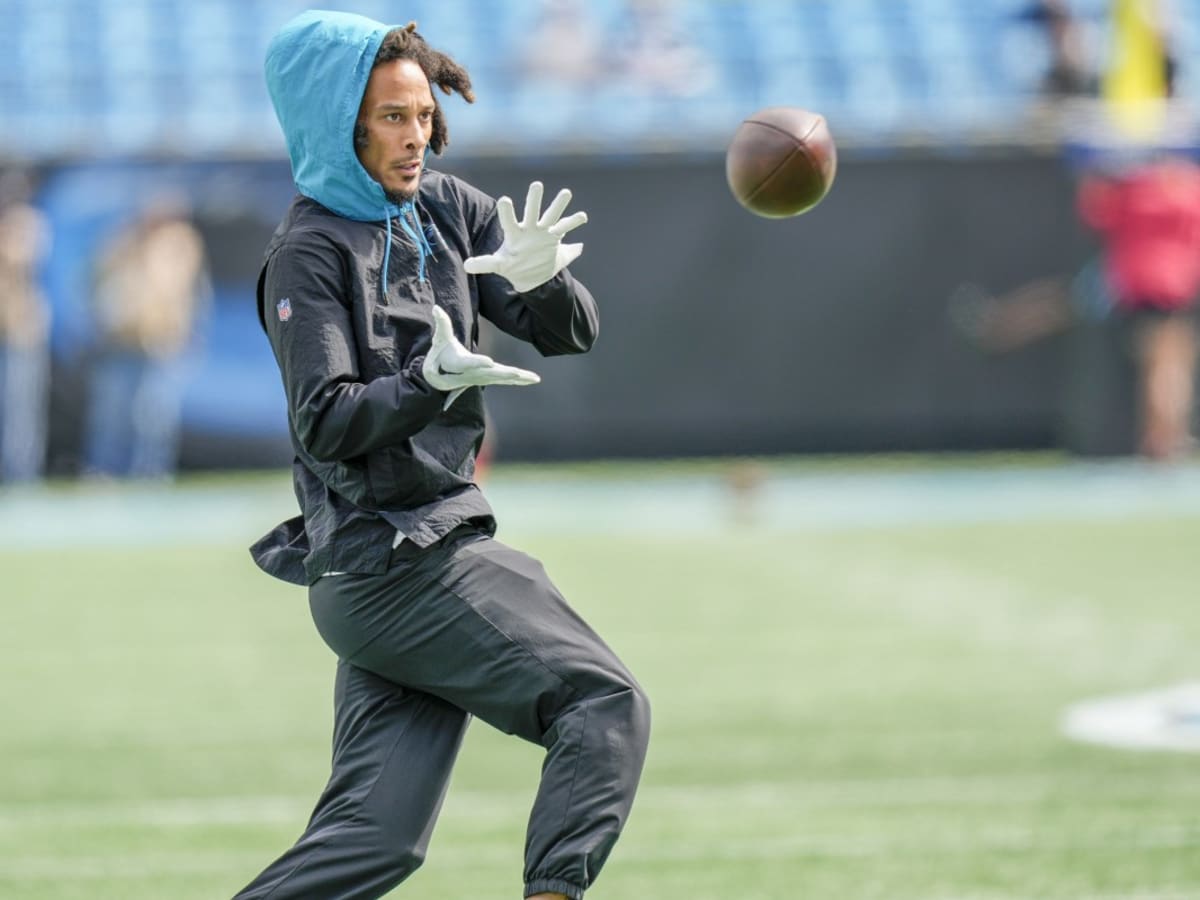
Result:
pixel 449 366
pixel 533 251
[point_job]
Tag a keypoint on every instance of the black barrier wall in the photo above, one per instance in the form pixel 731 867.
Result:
pixel 725 333
pixel 720 332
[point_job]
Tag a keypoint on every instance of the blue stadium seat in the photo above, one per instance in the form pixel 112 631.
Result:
pixel 873 64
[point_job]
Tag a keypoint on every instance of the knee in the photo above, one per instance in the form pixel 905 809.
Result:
pixel 401 858
pixel 390 845
pixel 632 708
pixel 615 712
pixel 640 712
pixel 409 859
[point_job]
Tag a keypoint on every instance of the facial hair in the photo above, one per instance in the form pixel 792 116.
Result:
pixel 400 197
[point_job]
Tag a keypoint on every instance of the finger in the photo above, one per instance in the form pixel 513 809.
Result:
pixel 513 375
pixel 466 361
pixel 481 265
pixel 555 209
pixel 498 373
pixel 533 204
pixel 451 397
pixel 508 215
pixel 443 331
pixel 568 253
pixel 570 223
pixel 524 377
pixel 511 379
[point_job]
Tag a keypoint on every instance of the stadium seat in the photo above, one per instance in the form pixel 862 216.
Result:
pixel 871 64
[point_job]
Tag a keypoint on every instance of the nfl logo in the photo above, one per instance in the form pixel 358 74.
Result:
pixel 284 308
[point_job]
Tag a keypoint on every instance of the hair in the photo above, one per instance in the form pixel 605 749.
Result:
pixel 440 69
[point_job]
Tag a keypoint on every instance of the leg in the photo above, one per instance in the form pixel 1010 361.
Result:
pixel 481 626
pixel 392 754
pixel 24 377
pixel 156 408
pixel 109 416
pixel 1167 360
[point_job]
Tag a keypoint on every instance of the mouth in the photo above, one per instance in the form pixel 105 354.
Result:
pixel 408 169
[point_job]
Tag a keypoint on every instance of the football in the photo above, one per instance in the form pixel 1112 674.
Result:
pixel 781 162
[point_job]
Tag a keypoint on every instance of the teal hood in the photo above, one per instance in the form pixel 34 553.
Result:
pixel 317 70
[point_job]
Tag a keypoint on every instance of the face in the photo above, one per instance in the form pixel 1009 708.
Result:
pixel 397 113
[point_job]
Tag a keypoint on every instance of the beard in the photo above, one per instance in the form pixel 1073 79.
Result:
pixel 401 197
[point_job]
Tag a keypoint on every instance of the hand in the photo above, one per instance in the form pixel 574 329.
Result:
pixel 449 366
pixel 533 251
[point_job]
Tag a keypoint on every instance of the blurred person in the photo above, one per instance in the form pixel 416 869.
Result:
pixel 24 332
pixel 563 45
pixel 1149 221
pixel 1144 63
pixel 1147 273
pixel 654 53
pixel 1070 83
pixel 1144 204
pixel 1070 74
pixel 1147 215
pixel 150 281
pixel 1033 311
pixel 370 295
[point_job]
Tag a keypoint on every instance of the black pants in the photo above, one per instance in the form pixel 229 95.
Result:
pixel 467 627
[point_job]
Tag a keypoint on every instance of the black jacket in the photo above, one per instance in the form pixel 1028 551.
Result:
pixel 375 452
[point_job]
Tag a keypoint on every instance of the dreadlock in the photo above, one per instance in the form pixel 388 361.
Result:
pixel 440 69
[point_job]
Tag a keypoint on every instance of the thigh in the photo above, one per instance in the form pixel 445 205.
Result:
pixel 512 593
pixel 481 626
pixel 393 750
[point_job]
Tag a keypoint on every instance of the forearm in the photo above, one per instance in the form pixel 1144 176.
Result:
pixel 564 316
pixel 524 286
pixel 348 419
pixel 558 317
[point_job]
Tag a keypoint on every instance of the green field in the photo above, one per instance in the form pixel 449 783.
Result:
pixel 867 709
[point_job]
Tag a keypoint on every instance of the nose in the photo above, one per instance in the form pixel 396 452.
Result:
pixel 415 139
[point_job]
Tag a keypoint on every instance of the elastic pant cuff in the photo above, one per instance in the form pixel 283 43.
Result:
pixel 548 886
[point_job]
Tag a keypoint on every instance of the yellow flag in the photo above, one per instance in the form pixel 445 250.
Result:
pixel 1136 84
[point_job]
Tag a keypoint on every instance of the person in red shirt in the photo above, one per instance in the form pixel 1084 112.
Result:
pixel 1148 219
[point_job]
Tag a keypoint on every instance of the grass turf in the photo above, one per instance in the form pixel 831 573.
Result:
pixel 869 712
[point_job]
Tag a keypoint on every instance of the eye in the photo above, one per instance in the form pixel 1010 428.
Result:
pixel 426 116
pixel 392 117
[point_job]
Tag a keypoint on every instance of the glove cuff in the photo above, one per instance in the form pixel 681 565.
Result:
pixel 550 287
pixel 415 372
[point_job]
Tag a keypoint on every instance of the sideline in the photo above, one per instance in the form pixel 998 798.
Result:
pixel 735 496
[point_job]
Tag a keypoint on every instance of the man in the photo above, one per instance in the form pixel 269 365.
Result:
pixel 151 283
pixel 24 332
pixel 1148 219
pixel 370 295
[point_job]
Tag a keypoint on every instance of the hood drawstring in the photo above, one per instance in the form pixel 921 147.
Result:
pixel 418 235
pixel 418 238
pixel 387 256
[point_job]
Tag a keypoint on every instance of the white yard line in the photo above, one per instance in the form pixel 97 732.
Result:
pixel 274 809
pixel 795 847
